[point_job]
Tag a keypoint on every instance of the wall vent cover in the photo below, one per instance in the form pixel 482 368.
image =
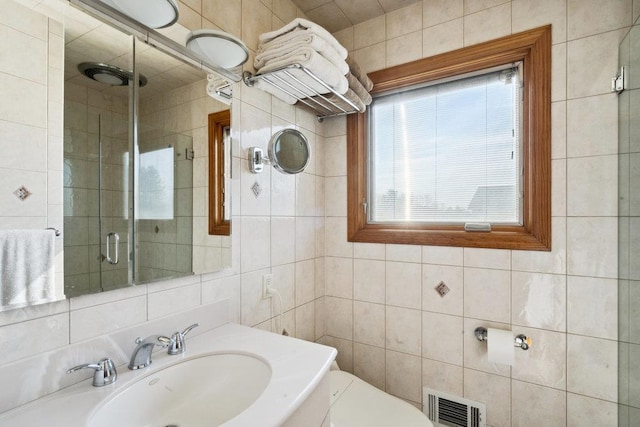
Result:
pixel 452 411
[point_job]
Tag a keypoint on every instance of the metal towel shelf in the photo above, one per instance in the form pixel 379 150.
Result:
pixel 319 103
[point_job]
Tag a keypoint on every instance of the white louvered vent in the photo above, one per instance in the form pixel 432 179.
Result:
pixel 452 411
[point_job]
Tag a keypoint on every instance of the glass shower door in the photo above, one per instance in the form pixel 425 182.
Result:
pixel 97 134
pixel 114 198
pixel 629 229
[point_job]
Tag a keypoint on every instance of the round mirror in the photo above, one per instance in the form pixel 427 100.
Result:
pixel 289 151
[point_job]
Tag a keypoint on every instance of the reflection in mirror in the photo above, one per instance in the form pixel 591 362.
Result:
pixel 96 159
pixel 164 167
pixel 121 231
pixel 134 181
pixel 219 173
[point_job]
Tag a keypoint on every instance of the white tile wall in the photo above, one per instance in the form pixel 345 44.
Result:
pixel 261 244
pixel 401 338
pixel 565 299
pixel 31 122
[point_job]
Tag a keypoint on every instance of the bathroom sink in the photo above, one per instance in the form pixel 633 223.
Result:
pixel 206 390
pixel 230 375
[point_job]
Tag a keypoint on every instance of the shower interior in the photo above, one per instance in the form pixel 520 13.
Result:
pixel 128 169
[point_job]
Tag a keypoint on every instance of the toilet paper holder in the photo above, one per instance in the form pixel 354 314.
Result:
pixel 520 340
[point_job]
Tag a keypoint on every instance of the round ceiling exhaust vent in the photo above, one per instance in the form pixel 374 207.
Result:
pixel 108 74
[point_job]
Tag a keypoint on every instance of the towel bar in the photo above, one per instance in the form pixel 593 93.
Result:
pixel 320 104
pixel 55 230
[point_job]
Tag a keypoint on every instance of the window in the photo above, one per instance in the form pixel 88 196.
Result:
pixel 219 168
pixel 448 152
pixel 455 149
pixel 156 184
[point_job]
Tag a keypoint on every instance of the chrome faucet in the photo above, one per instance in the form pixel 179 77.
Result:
pixel 141 356
pixel 104 371
pixel 177 340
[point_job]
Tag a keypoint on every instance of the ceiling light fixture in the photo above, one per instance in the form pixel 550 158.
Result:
pixel 218 48
pixel 151 13
pixel 108 74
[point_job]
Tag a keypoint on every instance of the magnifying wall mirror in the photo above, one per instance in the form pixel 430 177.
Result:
pixel 289 153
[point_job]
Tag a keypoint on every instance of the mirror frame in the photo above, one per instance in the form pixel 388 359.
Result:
pixel 218 225
pixel 275 139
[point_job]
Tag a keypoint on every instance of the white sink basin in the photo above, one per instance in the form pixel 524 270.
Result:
pixel 207 390
pixel 231 375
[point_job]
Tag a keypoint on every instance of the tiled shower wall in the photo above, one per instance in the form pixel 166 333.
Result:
pixel 383 314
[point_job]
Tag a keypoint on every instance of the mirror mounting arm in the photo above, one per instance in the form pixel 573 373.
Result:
pixel 257 160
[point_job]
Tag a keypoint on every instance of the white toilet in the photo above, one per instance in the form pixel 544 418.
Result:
pixel 355 403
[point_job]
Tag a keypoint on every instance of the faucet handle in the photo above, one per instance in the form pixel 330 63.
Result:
pixel 186 331
pixel 177 340
pixel 159 340
pixel 104 371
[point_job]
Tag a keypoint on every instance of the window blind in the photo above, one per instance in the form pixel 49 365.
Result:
pixel 449 152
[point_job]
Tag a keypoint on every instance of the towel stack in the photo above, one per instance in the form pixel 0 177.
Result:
pixel 305 43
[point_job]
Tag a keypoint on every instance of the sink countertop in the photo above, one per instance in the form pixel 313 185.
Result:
pixel 297 367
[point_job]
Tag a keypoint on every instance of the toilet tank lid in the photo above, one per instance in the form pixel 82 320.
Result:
pixel 357 403
pixel 339 382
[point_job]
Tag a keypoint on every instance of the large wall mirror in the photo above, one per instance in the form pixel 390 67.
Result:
pixel 136 160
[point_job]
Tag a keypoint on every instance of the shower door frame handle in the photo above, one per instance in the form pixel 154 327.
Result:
pixel 108 251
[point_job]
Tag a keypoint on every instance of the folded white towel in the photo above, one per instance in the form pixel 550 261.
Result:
pixel 315 28
pixel 358 89
pixel 314 62
pixel 304 39
pixel 27 272
pixel 329 100
pixel 274 89
pixel 357 72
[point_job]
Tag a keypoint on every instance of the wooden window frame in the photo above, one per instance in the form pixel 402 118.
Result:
pixel 218 225
pixel 533 48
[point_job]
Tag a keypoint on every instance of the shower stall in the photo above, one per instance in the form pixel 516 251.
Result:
pixel 128 164
pixel 629 230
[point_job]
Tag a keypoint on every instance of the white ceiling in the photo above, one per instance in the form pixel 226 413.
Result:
pixel 335 15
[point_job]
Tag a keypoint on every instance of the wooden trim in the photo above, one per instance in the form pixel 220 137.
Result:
pixel 218 225
pixel 533 48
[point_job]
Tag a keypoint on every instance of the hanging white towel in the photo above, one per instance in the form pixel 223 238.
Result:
pixel 27 272
pixel 303 23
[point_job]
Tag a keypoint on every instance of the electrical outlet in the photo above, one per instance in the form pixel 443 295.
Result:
pixel 267 283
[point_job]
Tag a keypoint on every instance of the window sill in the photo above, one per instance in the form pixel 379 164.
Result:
pixel 505 237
